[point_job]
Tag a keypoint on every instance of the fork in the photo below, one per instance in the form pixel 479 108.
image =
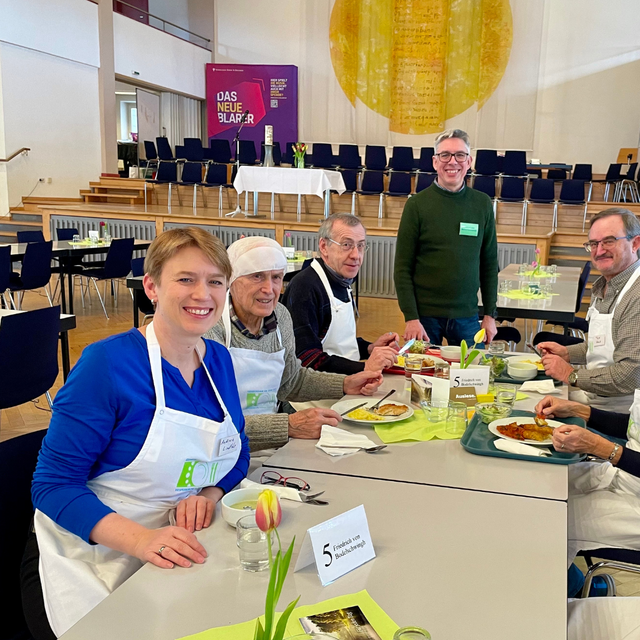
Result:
pixel 312 499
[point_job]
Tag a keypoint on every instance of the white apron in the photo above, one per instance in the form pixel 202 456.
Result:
pixel 341 335
pixel 604 501
pixel 258 374
pixel 600 354
pixel 181 454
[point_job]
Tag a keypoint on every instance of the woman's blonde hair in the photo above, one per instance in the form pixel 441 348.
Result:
pixel 167 244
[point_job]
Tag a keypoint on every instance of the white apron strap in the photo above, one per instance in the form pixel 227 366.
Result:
pixel 626 287
pixel 155 358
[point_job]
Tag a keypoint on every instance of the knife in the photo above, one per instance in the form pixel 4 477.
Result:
pixel 408 345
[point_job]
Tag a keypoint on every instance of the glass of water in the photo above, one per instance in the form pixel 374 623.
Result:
pixel 411 633
pixel 253 546
pixel 412 364
pixel 457 418
pixel 505 286
pixel 436 410
pixel 506 394
pixel 76 238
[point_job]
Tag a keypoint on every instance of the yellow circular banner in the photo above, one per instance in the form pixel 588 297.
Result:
pixel 420 62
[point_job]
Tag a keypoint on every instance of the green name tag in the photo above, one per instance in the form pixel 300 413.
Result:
pixel 468 229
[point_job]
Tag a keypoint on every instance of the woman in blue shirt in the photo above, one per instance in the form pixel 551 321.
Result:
pixel 146 437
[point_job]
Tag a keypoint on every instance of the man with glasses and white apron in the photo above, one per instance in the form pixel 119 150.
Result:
pixel 321 304
pixel 612 351
pixel 258 332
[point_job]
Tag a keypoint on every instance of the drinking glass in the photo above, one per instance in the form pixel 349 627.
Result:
pixel 505 286
pixel 252 544
pixel 506 394
pixel 442 370
pixel 436 410
pixel 545 290
pixel 523 268
pixel 553 269
pixel 457 418
pixel 412 364
pixel 107 238
pixel 497 348
pixel 76 238
pixel 411 633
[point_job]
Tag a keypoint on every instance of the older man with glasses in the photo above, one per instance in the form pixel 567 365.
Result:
pixel 322 308
pixel 447 249
pixel 612 351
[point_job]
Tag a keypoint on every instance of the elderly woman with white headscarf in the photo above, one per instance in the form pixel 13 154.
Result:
pixel 258 332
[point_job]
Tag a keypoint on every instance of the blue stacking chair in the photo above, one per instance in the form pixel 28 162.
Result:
pixel 375 158
pixel 18 458
pixel 181 153
pixel 117 265
pixel 219 151
pixel 584 172
pixel 425 163
pixel 424 181
pixel 248 152
pixel 513 190
pixel 372 184
pixel 571 194
pixel 542 192
pixel 486 184
pixel 30 236
pixel 193 150
pixel 35 272
pixel 612 178
pixel 557 174
pixel 399 186
pixel 5 273
pixel 152 156
pixel 216 176
pixel 164 150
pixel 349 157
pixel 73 264
pixel 486 163
pixel 402 159
pixel 167 174
pixel 323 156
pixel 515 164
pixel 192 177
pixel 144 304
pixel 287 154
pixel 350 177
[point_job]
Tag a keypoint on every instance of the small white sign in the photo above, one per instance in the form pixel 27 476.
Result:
pixel 337 546
pixel 94 235
pixel 478 378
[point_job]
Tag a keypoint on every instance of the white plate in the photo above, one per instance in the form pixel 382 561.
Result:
pixel 524 357
pixel 493 428
pixel 344 405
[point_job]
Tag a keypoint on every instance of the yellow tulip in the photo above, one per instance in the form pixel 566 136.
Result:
pixel 268 511
pixel 479 337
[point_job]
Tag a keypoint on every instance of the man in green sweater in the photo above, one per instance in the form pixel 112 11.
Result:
pixel 447 249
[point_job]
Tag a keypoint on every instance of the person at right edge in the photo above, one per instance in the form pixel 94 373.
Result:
pixel 446 250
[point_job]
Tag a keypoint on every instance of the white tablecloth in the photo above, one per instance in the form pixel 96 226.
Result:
pixel 288 180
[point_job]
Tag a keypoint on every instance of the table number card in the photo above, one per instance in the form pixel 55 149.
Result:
pixel 337 546
pixel 478 378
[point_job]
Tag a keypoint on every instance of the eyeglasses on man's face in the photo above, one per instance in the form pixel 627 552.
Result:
pixel 348 247
pixel 445 156
pixel 607 243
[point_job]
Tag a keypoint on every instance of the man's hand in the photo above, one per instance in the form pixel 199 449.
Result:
pixel 551 407
pixel 555 349
pixel 389 339
pixel 557 367
pixel 307 424
pixel 363 382
pixel 414 329
pixel 489 325
pixel 380 358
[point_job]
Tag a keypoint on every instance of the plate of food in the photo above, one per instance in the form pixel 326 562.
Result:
pixel 428 364
pixel 535 431
pixel 387 412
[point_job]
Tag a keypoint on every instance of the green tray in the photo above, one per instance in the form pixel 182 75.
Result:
pixel 505 378
pixel 479 440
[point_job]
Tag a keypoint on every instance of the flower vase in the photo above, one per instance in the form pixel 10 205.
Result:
pixel 300 162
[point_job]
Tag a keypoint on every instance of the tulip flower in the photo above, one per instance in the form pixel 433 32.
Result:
pixel 479 337
pixel 268 511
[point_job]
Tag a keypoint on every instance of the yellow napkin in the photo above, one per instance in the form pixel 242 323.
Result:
pixel 490 397
pixel 379 620
pixel 415 428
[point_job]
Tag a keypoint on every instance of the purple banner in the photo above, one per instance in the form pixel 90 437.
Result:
pixel 268 92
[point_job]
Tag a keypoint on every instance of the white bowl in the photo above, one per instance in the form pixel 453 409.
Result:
pixel 522 370
pixel 450 352
pixel 230 514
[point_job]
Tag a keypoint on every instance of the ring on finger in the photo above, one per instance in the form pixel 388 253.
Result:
pixel 162 548
pixel 562 446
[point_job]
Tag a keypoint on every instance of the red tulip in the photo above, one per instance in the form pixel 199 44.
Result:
pixel 268 511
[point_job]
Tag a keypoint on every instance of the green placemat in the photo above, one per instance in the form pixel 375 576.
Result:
pixel 416 428
pixel 379 620
pixel 521 295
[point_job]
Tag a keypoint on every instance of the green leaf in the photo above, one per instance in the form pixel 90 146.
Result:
pixel 470 358
pixel 284 618
pixel 259 632
pixel 463 354
pixel 283 569
pixel 272 601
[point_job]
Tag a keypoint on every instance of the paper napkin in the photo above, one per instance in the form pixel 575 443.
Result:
pixel 332 437
pixel 286 493
pixel 545 387
pixel 520 448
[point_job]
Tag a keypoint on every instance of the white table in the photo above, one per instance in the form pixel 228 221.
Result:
pixel 465 565
pixel 441 463
pixel 318 182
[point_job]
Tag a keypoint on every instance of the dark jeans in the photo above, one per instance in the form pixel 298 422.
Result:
pixel 453 329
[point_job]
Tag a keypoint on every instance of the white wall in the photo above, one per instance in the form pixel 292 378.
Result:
pixel 49 59
pixel 50 105
pixel 161 59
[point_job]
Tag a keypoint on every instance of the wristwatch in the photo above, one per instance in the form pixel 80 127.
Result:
pixel 573 377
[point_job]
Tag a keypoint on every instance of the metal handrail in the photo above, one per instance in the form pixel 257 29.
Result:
pixel 165 22
pixel 24 150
